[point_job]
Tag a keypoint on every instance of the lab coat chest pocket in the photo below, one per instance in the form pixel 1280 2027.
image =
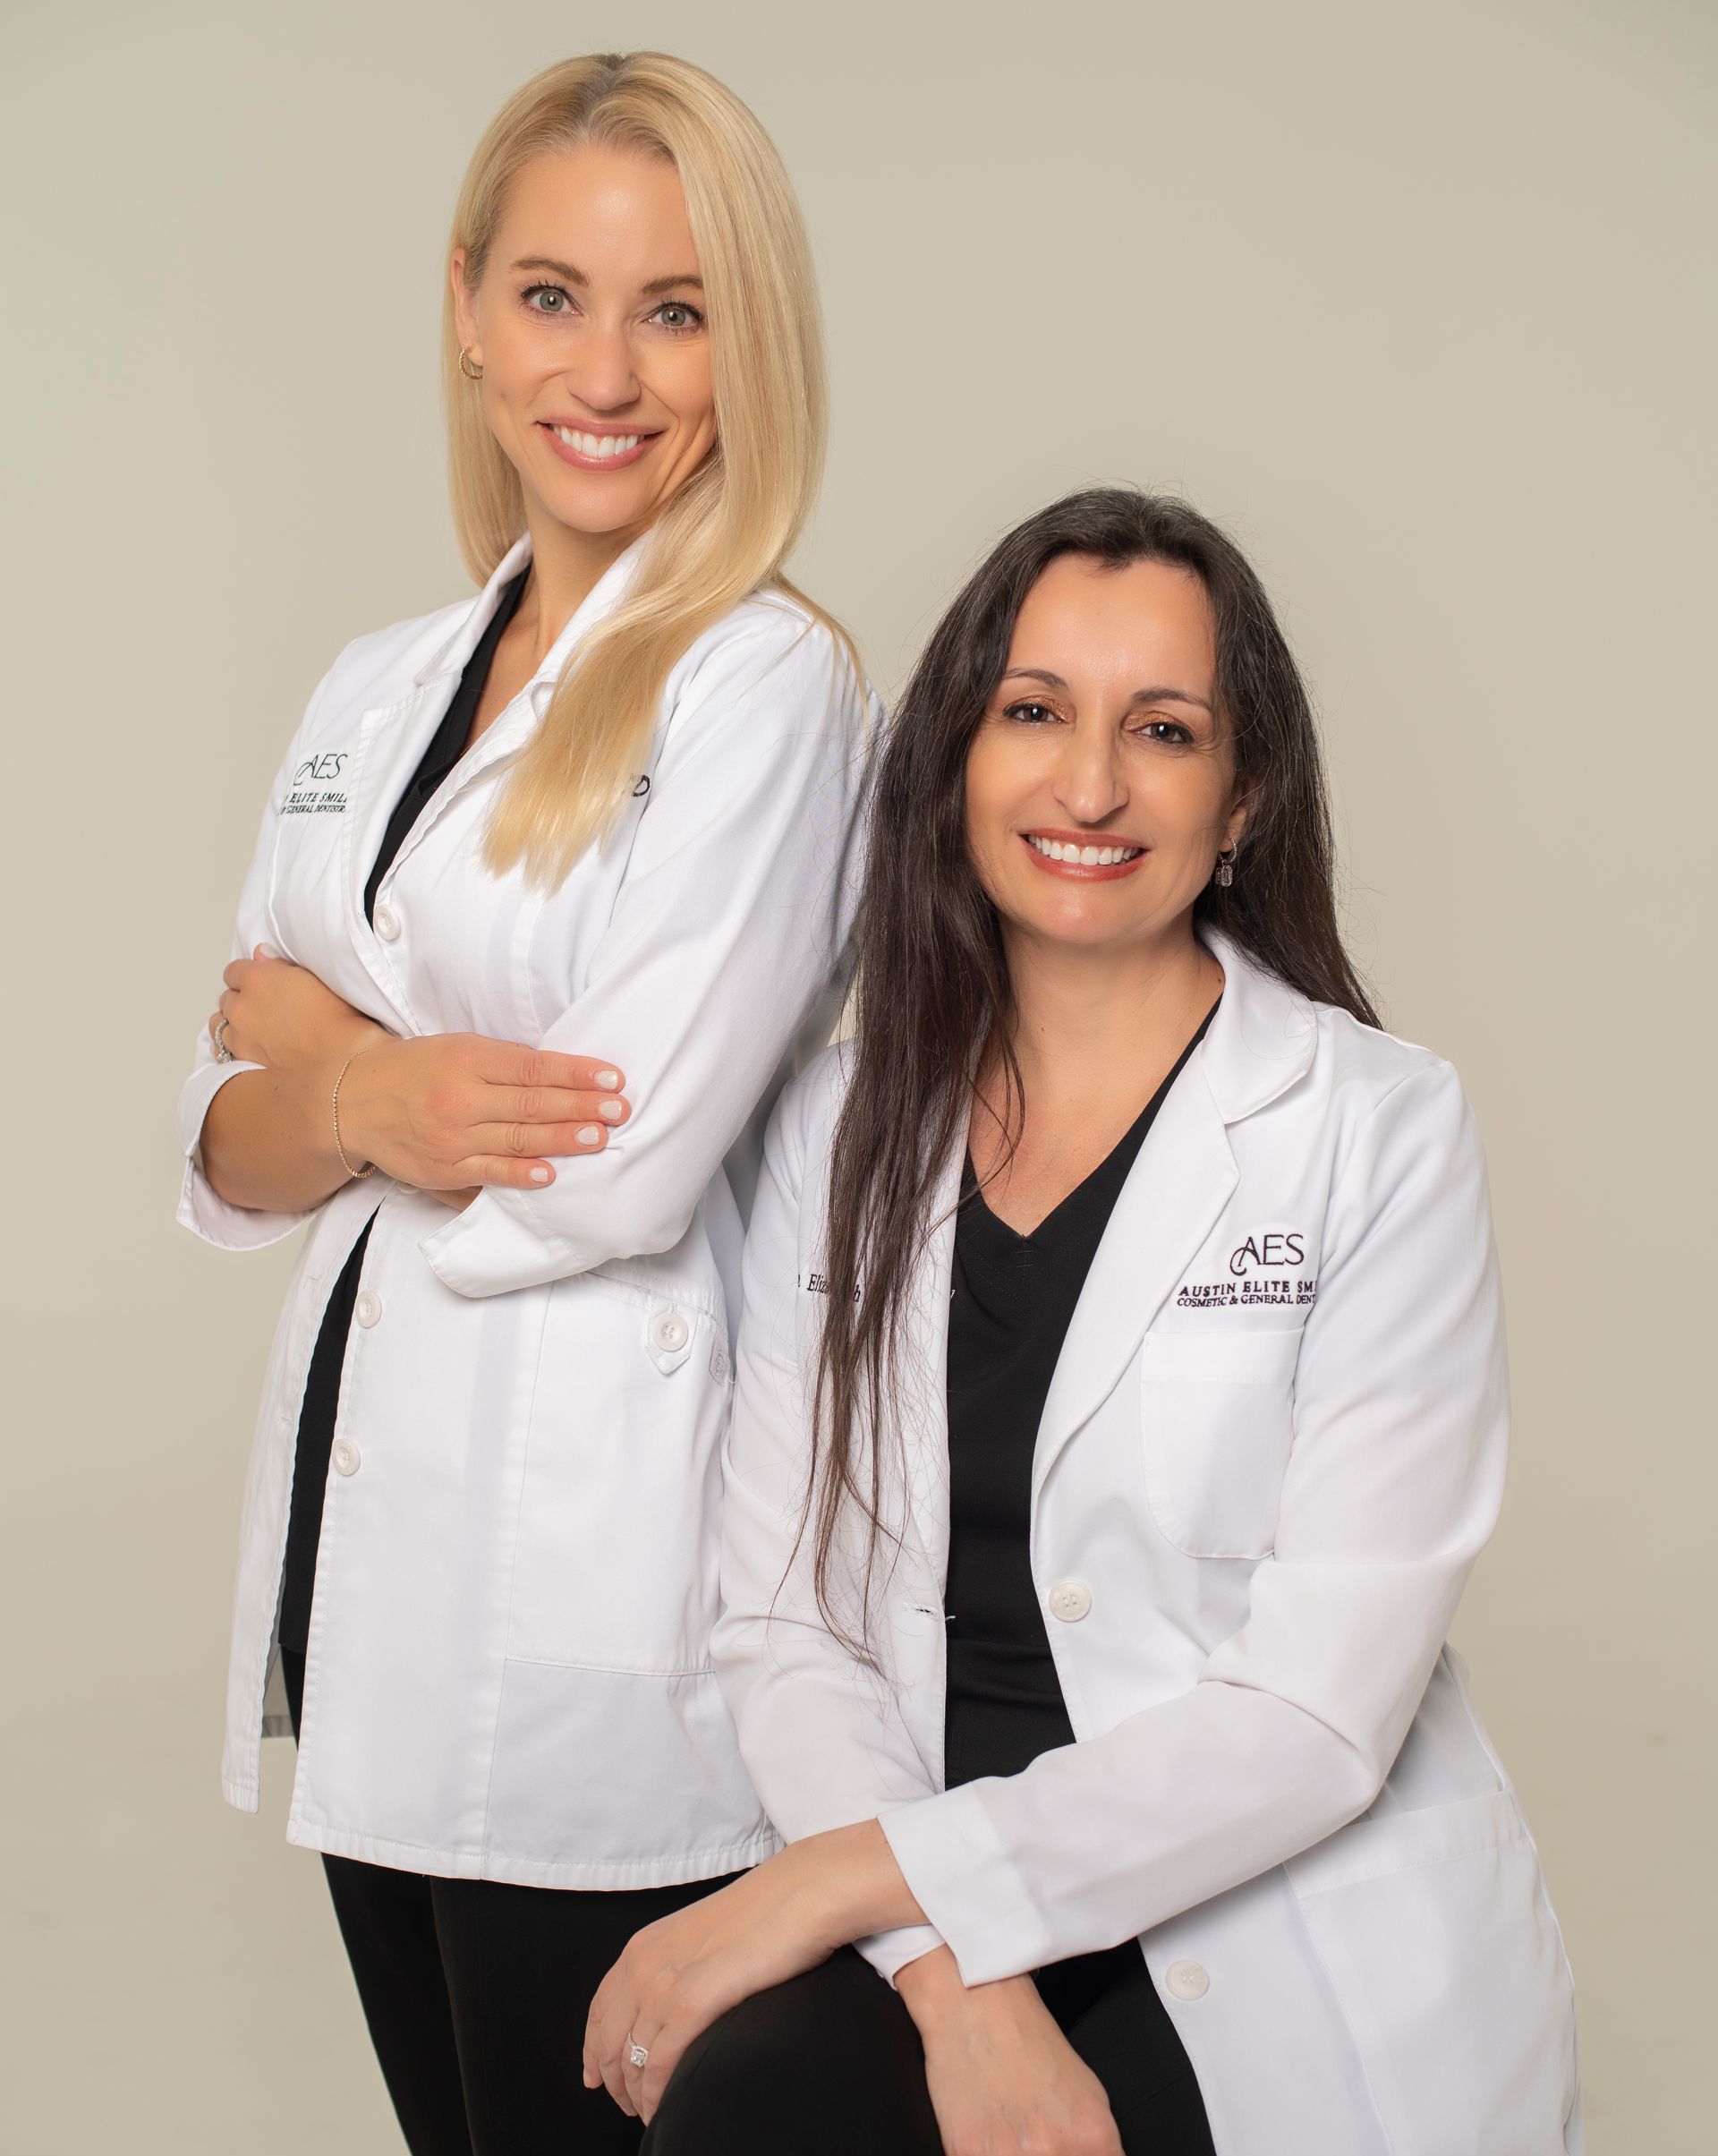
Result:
pixel 1217 1422
pixel 615 1566
pixel 1434 1928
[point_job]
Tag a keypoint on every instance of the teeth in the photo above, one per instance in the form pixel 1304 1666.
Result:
pixel 598 445
pixel 1087 857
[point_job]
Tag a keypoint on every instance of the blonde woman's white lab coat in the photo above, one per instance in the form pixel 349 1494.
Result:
pixel 1273 1446
pixel 509 1673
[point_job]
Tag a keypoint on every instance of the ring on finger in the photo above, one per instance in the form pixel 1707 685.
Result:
pixel 636 2053
pixel 217 1034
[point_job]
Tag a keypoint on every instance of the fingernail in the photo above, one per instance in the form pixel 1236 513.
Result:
pixel 611 1111
pixel 606 1080
pixel 541 1175
pixel 590 1135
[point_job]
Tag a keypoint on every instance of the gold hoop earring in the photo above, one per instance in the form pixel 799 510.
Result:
pixel 471 373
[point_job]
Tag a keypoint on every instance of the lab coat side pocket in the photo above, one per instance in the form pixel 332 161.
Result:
pixel 1436 1932
pixel 616 1563
pixel 1216 1425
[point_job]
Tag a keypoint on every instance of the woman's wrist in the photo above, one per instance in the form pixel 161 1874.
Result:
pixel 930 1989
pixel 854 1884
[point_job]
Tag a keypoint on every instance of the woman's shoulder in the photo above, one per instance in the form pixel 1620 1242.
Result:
pixel 773 638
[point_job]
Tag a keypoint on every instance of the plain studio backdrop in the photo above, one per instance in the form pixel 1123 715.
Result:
pixel 1417 300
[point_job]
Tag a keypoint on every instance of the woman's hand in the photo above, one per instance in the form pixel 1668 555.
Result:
pixel 1004 2080
pixel 684 1972
pixel 281 1015
pixel 452 1111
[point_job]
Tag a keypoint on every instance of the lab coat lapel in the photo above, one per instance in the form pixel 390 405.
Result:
pixel 508 732
pixel 1260 1042
pixel 1180 1182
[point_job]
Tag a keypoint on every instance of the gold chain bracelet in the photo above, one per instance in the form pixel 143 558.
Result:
pixel 356 1174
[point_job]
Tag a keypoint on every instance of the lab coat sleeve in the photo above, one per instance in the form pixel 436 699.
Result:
pixel 1394 1480
pixel 236 1227
pixel 727 932
pixel 781 1672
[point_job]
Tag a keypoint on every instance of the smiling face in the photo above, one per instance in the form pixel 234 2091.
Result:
pixel 589 324
pixel 1101 780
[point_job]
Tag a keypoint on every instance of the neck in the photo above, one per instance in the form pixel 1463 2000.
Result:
pixel 565 567
pixel 1094 1024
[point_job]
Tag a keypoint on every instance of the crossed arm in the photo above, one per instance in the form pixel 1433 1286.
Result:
pixel 447 1113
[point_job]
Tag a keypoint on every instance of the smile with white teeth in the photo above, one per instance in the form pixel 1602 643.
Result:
pixel 1087 857
pixel 598 445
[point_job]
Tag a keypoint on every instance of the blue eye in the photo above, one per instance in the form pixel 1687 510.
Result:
pixel 691 319
pixel 554 297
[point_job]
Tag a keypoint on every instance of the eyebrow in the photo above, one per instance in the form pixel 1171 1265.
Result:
pixel 577 277
pixel 1162 694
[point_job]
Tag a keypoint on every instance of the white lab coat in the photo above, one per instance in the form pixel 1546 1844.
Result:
pixel 509 1673
pixel 1273 1446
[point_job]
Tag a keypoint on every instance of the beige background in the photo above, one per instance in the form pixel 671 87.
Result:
pixel 1416 299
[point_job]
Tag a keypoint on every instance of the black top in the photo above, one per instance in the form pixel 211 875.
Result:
pixel 321 1403
pixel 1013 1299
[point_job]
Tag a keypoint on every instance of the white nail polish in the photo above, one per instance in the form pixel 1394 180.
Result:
pixel 540 1175
pixel 606 1080
pixel 611 1111
pixel 590 1135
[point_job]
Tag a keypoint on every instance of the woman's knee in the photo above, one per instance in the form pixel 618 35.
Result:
pixel 830 2061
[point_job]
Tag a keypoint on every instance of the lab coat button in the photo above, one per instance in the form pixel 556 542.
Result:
pixel 1070 1599
pixel 668 1332
pixel 345 1456
pixel 387 922
pixel 367 1308
pixel 1187 1979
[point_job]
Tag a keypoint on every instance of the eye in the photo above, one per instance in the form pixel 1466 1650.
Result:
pixel 1029 712
pixel 547 298
pixel 1170 731
pixel 679 316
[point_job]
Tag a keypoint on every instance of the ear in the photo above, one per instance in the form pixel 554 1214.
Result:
pixel 464 317
pixel 1235 823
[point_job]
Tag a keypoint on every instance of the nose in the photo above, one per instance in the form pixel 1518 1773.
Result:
pixel 1090 781
pixel 603 375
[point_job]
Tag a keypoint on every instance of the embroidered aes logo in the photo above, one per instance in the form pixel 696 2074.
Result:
pixel 1267 1265
pixel 317 789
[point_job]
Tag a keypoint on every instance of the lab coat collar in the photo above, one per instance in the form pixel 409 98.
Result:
pixel 1262 1038
pixel 603 597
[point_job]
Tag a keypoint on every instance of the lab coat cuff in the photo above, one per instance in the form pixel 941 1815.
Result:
pixel 228 1226
pixel 963 1876
pixel 492 1247
pixel 890 1952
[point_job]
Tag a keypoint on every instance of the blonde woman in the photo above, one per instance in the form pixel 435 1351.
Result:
pixel 550 894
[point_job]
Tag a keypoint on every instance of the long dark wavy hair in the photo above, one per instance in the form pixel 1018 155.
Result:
pixel 934 1001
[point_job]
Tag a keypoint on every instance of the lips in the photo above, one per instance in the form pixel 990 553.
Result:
pixel 598 448
pixel 1080 859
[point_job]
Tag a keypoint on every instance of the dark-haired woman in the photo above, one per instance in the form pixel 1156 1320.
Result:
pixel 1122 1404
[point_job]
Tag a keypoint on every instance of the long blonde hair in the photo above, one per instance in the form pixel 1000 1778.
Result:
pixel 730 528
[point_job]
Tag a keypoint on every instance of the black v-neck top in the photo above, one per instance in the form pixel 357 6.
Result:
pixel 315 1417
pixel 1014 1298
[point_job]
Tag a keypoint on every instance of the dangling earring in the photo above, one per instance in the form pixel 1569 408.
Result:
pixel 472 371
pixel 1225 874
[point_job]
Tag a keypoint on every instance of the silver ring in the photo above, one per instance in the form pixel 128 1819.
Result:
pixel 217 1034
pixel 636 2053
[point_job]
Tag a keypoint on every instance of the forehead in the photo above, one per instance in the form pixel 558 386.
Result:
pixel 601 209
pixel 1148 623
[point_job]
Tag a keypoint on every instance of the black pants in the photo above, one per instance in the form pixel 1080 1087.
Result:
pixel 476 1995
pixel 831 2064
